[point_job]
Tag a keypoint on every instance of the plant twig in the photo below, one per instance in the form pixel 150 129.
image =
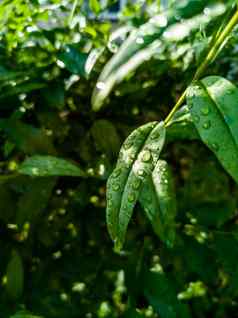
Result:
pixel 209 58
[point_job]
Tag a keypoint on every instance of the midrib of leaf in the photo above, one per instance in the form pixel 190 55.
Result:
pixel 213 101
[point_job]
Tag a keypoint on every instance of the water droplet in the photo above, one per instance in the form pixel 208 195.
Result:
pixel 131 197
pixel 207 11
pixel 215 146
pixel 115 187
pixel 35 171
pixel 196 119
pixel 205 111
pixel 116 173
pixel 139 41
pixel 136 184
pixel 141 172
pixel 207 125
pixel 101 85
pixel 160 20
pixel 155 135
pixel 146 156
pixel 128 145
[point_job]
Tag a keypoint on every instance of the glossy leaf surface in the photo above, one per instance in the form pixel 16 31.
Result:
pixel 213 106
pixel 137 159
pixel 157 197
pixel 44 166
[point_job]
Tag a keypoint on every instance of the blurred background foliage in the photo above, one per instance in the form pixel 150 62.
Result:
pixel 57 258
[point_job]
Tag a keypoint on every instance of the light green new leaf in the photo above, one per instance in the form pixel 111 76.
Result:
pixel 213 106
pixel 15 276
pixel 158 199
pixel 44 166
pixel 137 159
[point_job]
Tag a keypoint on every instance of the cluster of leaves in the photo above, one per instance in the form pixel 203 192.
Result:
pixel 63 120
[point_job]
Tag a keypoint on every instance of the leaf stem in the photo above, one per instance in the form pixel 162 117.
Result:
pixel 209 58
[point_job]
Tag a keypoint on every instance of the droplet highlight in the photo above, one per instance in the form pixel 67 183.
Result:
pixel 146 156
pixel 206 125
pixel 101 85
pixel 131 197
pixel 205 111
pixel 136 184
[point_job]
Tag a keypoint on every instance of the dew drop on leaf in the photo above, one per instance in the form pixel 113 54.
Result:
pixel 206 125
pixel 196 119
pixel 155 135
pixel 116 173
pixel 141 172
pixel 139 40
pixel 205 111
pixel 116 187
pixel 215 146
pixel 136 184
pixel 128 145
pixel 146 156
pixel 131 197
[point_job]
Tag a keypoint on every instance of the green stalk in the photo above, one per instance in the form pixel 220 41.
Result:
pixel 209 58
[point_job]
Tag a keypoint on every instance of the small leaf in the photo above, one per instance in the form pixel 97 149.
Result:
pixel 181 126
pixel 15 276
pixel 158 200
pixel 137 159
pixel 95 6
pixel 161 294
pixel 74 60
pixel 27 138
pixel 106 137
pixel 44 166
pixel 38 190
pixel 213 106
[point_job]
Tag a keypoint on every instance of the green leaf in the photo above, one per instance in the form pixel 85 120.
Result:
pixel 106 137
pixel 15 276
pixel 149 39
pixel 74 60
pixel 161 294
pixel 38 190
pixel 44 166
pixel 213 106
pixel 22 88
pixel 157 197
pixel 181 126
pixel 27 138
pixel 137 159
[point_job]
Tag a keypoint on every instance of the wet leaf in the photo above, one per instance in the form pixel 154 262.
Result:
pixel 213 106
pixel 137 159
pixel 157 197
